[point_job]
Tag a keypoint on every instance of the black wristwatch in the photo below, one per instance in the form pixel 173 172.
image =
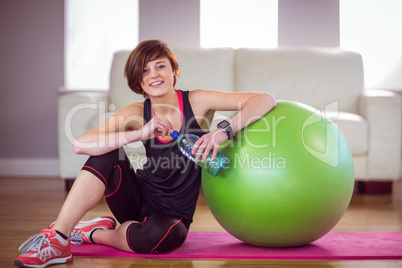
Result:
pixel 227 128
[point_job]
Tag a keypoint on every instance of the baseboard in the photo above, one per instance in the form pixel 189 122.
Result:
pixel 29 167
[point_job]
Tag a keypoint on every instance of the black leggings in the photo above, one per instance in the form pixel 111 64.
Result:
pixel 154 232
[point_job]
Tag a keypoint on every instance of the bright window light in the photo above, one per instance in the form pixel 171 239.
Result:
pixel 239 23
pixel 373 29
pixel 95 29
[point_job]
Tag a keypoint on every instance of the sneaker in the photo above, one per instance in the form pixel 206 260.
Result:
pixel 42 250
pixel 83 230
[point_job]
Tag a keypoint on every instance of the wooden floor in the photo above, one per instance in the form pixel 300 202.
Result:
pixel 28 205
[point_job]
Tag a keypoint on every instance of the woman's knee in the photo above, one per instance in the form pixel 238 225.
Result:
pixel 103 166
pixel 107 158
pixel 157 234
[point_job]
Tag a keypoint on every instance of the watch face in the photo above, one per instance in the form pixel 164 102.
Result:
pixel 224 124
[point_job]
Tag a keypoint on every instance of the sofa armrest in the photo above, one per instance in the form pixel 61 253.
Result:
pixel 382 110
pixel 75 110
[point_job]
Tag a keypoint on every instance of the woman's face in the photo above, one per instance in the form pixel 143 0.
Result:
pixel 158 77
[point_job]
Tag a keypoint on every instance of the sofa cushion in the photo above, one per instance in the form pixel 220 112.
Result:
pixel 317 77
pixel 205 68
pixel 120 93
pixel 355 129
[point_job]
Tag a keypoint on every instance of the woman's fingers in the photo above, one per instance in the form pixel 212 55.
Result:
pixel 206 152
pixel 163 126
pixel 204 145
pixel 157 127
pixel 196 145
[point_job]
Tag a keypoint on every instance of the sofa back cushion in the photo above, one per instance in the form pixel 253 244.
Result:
pixel 314 76
pixel 205 68
pixel 120 93
pixel 200 68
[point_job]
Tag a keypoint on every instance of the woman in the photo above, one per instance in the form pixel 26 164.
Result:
pixel 154 205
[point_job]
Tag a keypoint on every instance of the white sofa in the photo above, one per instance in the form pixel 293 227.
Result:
pixel 324 78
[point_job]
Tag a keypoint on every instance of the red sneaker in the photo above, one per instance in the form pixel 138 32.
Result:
pixel 42 250
pixel 83 230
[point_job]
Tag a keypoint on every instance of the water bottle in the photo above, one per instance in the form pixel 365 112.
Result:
pixel 186 142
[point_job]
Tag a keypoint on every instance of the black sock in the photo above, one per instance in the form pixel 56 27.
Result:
pixel 90 235
pixel 62 235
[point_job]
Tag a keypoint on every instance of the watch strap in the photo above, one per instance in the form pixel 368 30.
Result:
pixel 228 129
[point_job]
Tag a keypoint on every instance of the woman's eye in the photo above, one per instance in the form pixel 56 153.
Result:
pixel 145 71
pixel 160 67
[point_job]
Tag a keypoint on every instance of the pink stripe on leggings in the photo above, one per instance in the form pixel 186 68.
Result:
pixel 154 249
pixel 97 172
pixel 106 196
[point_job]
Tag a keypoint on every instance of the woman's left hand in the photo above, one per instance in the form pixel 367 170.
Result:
pixel 205 143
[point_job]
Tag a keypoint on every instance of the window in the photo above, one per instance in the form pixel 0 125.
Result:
pixel 373 29
pixel 95 29
pixel 239 23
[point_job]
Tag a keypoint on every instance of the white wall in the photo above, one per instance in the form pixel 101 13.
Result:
pixel 177 22
pixel 308 23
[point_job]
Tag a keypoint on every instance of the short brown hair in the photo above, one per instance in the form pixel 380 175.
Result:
pixel 145 52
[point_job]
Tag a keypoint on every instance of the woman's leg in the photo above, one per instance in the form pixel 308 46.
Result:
pixel 110 175
pixel 86 192
pixel 89 186
pixel 113 238
pixel 156 234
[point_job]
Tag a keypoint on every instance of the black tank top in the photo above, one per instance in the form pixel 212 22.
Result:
pixel 169 180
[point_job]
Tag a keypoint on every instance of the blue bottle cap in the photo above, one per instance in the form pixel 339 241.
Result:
pixel 174 134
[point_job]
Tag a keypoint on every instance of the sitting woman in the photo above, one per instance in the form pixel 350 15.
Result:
pixel 154 205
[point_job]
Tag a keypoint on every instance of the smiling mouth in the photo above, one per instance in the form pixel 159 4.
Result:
pixel 155 84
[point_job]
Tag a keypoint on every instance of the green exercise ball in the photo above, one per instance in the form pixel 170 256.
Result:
pixel 289 181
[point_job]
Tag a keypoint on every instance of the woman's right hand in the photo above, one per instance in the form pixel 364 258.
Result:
pixel 156 127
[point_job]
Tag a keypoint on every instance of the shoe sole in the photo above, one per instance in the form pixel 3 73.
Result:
pixel 18 263
pixel 100 218
pixel 113 221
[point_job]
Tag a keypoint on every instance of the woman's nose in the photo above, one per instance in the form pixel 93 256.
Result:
pixel 154 73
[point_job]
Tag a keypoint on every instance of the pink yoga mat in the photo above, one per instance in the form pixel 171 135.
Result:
pixel 334 245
